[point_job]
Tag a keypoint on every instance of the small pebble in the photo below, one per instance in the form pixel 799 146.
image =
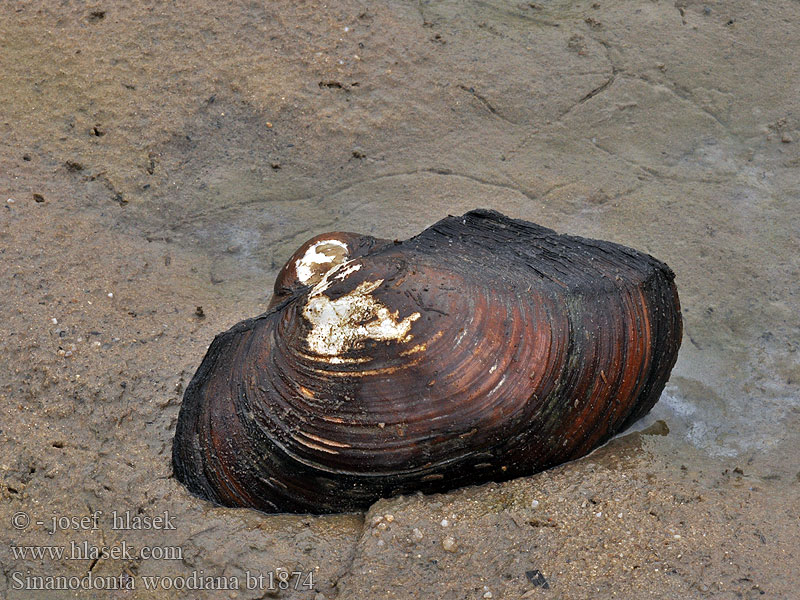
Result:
pixel 416 534
pixel 445 522
pixel 449 544
pixel 786 138
pixel 11 201
pixel 110 295
pixel 388 518
pixel 535 504
pixel 54 320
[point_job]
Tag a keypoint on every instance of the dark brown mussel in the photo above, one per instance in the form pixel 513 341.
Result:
pixel 482 349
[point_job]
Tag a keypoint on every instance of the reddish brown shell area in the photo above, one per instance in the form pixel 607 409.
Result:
pixel 483 349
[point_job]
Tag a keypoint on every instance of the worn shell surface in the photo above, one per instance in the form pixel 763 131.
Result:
pixel 482 349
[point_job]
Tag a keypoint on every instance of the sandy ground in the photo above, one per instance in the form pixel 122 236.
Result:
pixel 160 157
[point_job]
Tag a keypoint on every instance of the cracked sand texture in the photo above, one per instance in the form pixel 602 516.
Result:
pixel 182 151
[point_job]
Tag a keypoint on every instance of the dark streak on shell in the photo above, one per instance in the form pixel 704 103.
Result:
pixel 538 348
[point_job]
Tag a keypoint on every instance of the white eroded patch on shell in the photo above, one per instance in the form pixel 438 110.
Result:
pixel 340 325
pixel 339 271
pixel 318 258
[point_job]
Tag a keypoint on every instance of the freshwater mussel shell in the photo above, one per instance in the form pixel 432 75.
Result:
pixel 482 349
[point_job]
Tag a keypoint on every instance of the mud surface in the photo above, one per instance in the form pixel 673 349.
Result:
pixel 160 161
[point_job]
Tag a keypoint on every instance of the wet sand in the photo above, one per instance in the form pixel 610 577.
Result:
pixel 159 158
